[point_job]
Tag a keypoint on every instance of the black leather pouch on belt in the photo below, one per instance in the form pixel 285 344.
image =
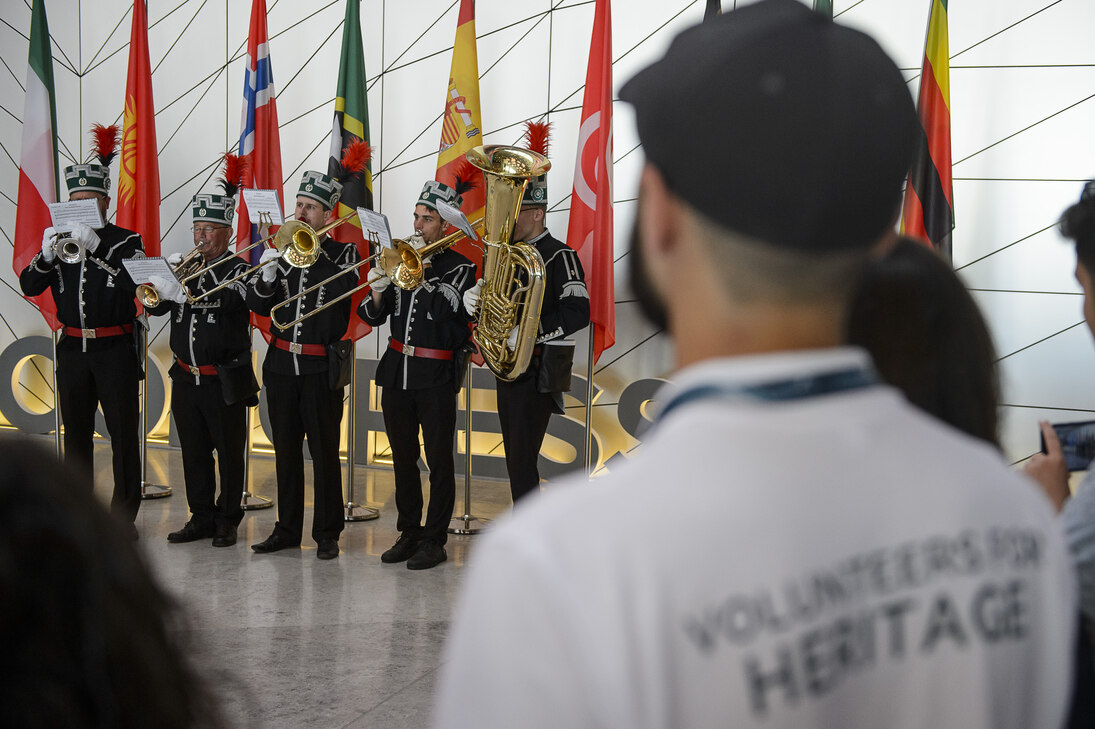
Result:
pixel 238 383
pixel 340 362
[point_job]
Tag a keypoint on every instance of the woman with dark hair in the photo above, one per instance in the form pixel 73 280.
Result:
pixel 927 337
pixel 89 639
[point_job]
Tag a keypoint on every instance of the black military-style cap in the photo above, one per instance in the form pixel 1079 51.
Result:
pixel 780 124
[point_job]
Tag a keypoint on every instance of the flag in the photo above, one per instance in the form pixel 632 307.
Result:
pixel 714 7
pixel 928 211
pixel 351 123
pixel 825 7
pixel 462 126
pixel 590 232
pixel 260 145
pixel 38 158
pixel 139 171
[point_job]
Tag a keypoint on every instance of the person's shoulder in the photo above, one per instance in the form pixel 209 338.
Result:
pixel 450 258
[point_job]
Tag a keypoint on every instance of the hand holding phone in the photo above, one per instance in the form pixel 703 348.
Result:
pixel 1048 468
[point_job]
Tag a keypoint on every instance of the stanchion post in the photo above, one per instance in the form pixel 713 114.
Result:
pixel 56 402
pixel 467 524
pixel 354 512
pixel 148 490
pixel 250 501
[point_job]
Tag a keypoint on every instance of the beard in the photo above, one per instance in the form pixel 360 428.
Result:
pixel 651 305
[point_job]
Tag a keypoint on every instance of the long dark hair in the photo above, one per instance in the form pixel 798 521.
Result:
pixel 88 637
pixel 1078 223
pixel 928 338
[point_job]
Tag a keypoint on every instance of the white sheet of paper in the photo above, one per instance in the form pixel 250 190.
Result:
pixel 263 203
pixel 453 216
pixel 76 211
pixel 141 270
pixel 377 224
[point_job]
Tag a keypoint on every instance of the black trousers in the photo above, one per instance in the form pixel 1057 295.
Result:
pixel 304 406
pixel 108 378
pixel 523 414
pixel 434 409
pixel 206 424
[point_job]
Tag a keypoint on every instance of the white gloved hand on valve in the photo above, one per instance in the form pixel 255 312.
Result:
pixel 168 288
pixel 174 259
pixel 87 237
pixel 49 255
pixel 269 263
pixel 471 298
pixel 511 343
pixel 378 281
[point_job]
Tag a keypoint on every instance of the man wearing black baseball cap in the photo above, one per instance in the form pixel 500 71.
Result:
pixel 833 556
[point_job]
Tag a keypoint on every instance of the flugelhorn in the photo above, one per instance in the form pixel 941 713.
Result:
pixel 150 297
pixel 67 248
pixel 297 242
pixel 402 263
pixel 513 273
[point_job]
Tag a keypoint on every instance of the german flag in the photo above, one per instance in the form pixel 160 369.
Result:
pixel 928 212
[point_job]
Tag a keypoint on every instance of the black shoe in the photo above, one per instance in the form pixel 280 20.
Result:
pixel 191 532
pixel 224 536
pixel 429 554
pixel 404 547
pixel 273 543
pixel 328 549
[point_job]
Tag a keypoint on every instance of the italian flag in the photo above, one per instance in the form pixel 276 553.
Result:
pixel 38 160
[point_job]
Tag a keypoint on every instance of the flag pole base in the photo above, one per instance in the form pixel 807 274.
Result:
pixel 154 491
pixel 467 524
pixel 364 513
pixel 252 502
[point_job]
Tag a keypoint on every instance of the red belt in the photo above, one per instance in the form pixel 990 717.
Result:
pixel 312 350
pixel 99 332
pixel 197 369
pixel 424 352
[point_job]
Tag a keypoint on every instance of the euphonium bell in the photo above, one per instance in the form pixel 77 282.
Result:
pixel 513 273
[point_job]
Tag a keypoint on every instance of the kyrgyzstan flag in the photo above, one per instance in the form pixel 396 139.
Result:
pixel 38 158
pixel 462 127
pixel 928 212
pixel 139 170
pixel 590 231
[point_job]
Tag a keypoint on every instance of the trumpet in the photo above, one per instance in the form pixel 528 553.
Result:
pixel 67 248
pixel 150 297
pixel 297 242
pixel 403 264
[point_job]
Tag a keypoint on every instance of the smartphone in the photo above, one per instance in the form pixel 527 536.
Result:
pixel 1077 443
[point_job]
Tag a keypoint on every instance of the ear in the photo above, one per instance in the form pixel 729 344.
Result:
pixel 659 215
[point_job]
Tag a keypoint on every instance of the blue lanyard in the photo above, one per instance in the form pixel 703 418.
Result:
pixel 797 388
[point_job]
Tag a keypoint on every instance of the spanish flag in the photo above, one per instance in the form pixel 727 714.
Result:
pixel 139 169
pixel 928 212
pixel 462 127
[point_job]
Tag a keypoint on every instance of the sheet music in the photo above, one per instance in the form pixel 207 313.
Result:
pixel 84 211
pixel 377 224
pixel 141 270
pixel 263 207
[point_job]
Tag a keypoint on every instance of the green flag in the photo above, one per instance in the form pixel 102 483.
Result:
pixel 351 118
pixel 825 7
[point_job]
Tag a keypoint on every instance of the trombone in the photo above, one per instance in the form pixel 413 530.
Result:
pixel 404 265
pixel 297 242
pixel 150 297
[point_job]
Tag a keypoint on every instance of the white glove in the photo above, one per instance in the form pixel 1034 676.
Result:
pixel 168 288
pixel 48 254
pixel 511 343
pixel 269 263
pixel 377 280
pixel 471 298
pixel 87 237
pixel 174 259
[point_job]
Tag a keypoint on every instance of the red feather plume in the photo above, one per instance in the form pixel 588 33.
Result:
pixel 538 136
pixel 355 158
pixel 232 177
pixel 105 141
pixel 466 178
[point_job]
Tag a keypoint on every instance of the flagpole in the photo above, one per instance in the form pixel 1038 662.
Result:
pixel 56 400
pixel 250 501
pixel 589 406
pixel 148 490
pixel 464 524
pixel 365 513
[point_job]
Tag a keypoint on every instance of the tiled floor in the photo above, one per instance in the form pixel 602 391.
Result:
pixel 292 641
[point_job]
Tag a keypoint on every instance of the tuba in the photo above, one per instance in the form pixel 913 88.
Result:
pixel 513 273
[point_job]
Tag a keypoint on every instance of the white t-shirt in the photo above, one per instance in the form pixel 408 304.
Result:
pixel 840 560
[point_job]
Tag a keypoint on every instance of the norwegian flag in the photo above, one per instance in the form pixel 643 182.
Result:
pixel 260 145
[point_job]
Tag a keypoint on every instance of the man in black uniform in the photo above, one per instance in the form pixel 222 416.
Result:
pixel 525 405
pixel 297 373
pixel 97 360
pixel 212 382
pixel 419 381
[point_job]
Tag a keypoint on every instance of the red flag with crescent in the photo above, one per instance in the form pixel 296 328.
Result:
pixel 590 232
